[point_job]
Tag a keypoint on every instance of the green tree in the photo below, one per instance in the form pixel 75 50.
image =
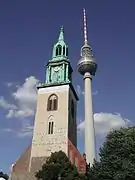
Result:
pixel 3 175
pixel 117 157
pixel 57 167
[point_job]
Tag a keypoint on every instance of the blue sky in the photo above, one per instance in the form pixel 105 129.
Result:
pixel 28 30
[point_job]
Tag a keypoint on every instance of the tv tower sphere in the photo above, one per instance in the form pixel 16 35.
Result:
pixel 87 63
pixel 87 67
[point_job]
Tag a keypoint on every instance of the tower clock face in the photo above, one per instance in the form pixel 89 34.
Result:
pixel 56 69
pixel 56 76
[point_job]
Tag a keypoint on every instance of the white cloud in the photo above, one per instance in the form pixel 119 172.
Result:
pixel 4 104
pixel 9 84
pixel 94 93
pixel 7 130
pixel 25 97
pixel 26 131
pixel 26 93
pixel 81 92
pixel 20 113
pixel 104 122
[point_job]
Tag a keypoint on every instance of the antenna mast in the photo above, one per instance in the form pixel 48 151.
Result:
pixel 85 27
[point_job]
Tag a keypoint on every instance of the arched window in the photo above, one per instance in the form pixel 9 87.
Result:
pixel 52 103
pixel 58 50
pixel 50 127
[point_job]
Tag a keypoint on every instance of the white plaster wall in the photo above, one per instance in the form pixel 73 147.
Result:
pixel 43 143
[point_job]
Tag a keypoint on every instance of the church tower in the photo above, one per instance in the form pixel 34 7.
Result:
pixel 55 118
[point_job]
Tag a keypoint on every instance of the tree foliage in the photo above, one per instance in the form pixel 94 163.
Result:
pixel 117 157
pixel 57 167
pixel 3 175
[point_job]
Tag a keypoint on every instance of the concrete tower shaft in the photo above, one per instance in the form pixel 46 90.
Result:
pixel 87 67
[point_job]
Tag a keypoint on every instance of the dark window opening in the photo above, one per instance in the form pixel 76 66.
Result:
pixel 52 104
pixel 58 50
pixel 49 104
pixel 50 127
pixel 65 73
pixel 55 104
pixel 64 51
pixel 67 51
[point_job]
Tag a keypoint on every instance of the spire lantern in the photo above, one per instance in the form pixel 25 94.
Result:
pixel 60 49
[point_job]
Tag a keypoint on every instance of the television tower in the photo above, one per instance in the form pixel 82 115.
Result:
pixel 87 68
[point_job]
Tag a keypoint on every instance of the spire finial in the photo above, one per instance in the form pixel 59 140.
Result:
pixel 85 27
pixel 61 36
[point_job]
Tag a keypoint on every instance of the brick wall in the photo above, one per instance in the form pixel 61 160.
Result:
pixel 76 158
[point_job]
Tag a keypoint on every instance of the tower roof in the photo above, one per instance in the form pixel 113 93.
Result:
pixel 61 35
pixel 60 49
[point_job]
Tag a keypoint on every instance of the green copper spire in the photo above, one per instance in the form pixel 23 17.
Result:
pixel 61 36
pixel 59 70
pixel 60 49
